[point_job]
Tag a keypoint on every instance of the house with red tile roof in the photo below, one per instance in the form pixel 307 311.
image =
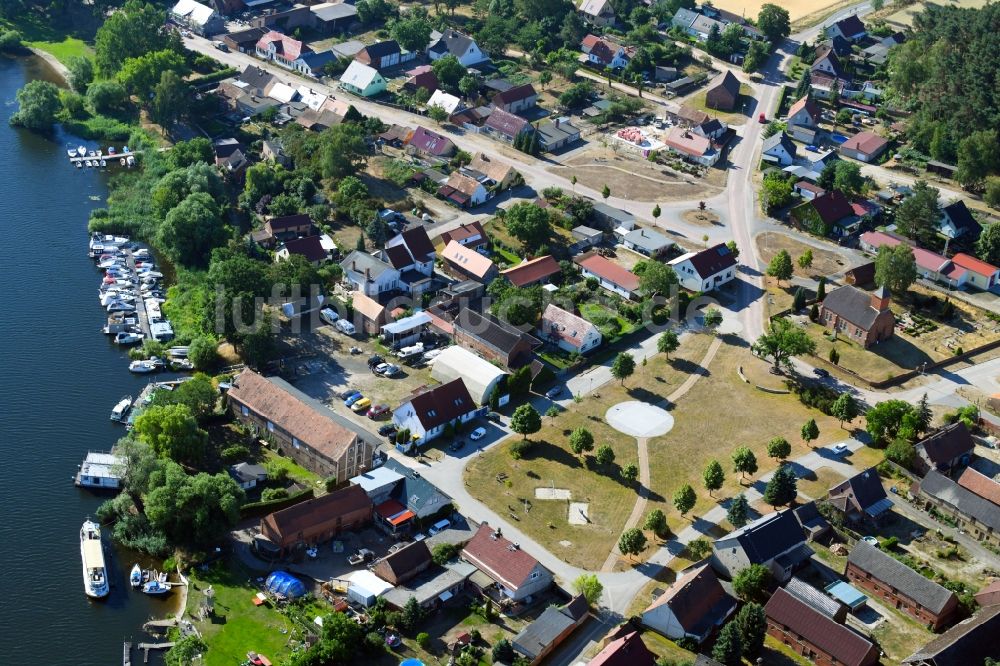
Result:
pixel 976 272
pixel 505 126
pixel 694 606
pixel 808 632
pixel 317 520
pixel 514 572
pixel 610 275
pixel 824 214
pixel 517 99
pixel 691 146
pixel 465 262
pixel 931 265
pixel 626 649
pixel 470 234
pixel 280 48
pixel 309 247
pixel 984 486
pixel 535 271
pixel 463 191
pixel 871 241
pixel 864 146
pixel 804 112
pixel 568 331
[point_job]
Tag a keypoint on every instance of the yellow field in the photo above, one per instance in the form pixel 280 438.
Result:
pixel 797 9
pixel 904 17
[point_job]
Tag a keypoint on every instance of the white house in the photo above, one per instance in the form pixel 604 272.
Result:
pixel 198 17
pixel 369 275
pixel 248 475
pixel 464 190
pixel 705 270
pixel 460 45
pixel 850 28
pixel 778 148
pixel 517 574
pixel 648 242
pixel 426 415
pixel 412 254
pixel 450 103
pixel 610 275
pixel 568 331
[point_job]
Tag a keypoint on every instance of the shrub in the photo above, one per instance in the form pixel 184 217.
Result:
pixel 519 448
pixel 234 454
pixel 271 494
pixel 423 639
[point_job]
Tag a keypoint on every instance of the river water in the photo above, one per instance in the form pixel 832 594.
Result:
pixel 59 378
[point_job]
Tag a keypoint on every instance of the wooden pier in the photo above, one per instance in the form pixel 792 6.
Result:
pixel 127 656
pixel 140 303
pixel 146 647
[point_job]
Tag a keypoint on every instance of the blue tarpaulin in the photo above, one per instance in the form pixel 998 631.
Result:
pixel 284 583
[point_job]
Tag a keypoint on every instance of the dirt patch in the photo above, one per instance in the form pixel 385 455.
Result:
pixel 701 218
pixel 553 493
pixel 824 263
pixel 630 177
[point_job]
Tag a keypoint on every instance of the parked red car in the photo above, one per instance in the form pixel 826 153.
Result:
pixel 378 411
pixel 761 119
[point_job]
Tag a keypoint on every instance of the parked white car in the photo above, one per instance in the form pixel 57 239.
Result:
pixel 477 434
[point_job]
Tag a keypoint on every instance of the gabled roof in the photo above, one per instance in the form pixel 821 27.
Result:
pixel 466 230
pixel 450 103
pixel 832 206
pixel 367 307
pixel 379 50
pixel 256 77
pixel 970 263
pixel 442 404
pixel 608 270
pixel 768 537
pixel 779 139
pixel 365 264
pixel 506 123
pixel 539 636
pixel 962 219
pixel 808 105
pixel 451 41
pixel 946 444
pixel 589 42
pixel 711 261
pixel 309 247
pixel 515 94
pixel 289 48
pixel 431 142
pixel 560 323
pixel 729 83
pixel 816 599
pixel 853 304
pixel 499 558
pixel 359 75
pixel 891 571
pixel 332 11
pixel 278 225
pixel 967 502
pixel 627 650
pixel 980 484
pixel 460 182
pixel 687 142
pixel 283 405
pixel 595 7
pixel 248 37
pixel 969 642
pixel 416 243
pixel 835 639
pixel 879 238
pixel 528 272
pixel 467 258
pixel 402 564
pixel 851 25
pixel 195 12
pixel 864 491
pixel 491 331
pixel 697 600
pixel 491 167
pixel 865 142
pixel 300 517
pixel 427 80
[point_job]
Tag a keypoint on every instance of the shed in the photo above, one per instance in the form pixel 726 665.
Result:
pixel 479 375
pixel 365 587
pixel 847 594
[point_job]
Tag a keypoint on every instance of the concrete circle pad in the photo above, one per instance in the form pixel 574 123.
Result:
pixel 639 419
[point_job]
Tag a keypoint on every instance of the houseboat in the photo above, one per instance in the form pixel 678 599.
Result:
pixel 120 411
pixel 99 471
pixel 95 575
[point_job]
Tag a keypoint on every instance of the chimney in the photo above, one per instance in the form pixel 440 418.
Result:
pixel 368 274
pixel 880 299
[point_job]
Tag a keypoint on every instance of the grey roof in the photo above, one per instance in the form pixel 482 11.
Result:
pixel 869 495
pixel 245 471
pixel 781 139
pixel 946 444
pixel 702 660
pixel 891 571
pixel 648 239
pixel 768 536
pixel 451 41
pixel 969 642
pixel 967 502
pixel 333 12
pixel 415 492
pixel 550 132
pixel 612 213
pixel 359 261
pixel 540 634
pixel 492 331
pixel 685 17
pixel 813 597
pixel 430 583
pixel 852 304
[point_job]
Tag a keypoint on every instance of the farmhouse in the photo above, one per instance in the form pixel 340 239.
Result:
pixel 775 541
pixel 556 134
pixel 458 44
pixel 470 234
pixel 516 573
pixel 362 80
pixel 694 606
pixel 816 636
pixel 505 126
pixel 706 270
pixel 944 450
pixel 864 318
pixel 317 520
pixel 974 514
pixel 466 262
pixel 980 484
pixel 404 564
pixel 692 146
pixel 624 649
pixel 861 498
pixel 383 54
pixel 568 331
pixel 724 94
pixel 969 642
pixel 531 272
pixel 426 142
pixel 304 429
pixel 493 339
pixel 516 99
pixel 898 586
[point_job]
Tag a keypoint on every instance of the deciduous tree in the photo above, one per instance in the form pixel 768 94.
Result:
pixel 895 268
pixel 780 266
pixel 774 22
pixel 751 583
pixel 744 461
pixel 656 522
pixel 38 103
pixel 810 431
pixel 623 367
pixel 528 223
pixel 81 73
pixel 685 499
pixel 526 420
pixel 657 279
pixel 844 408
pixel 713 476
pixel 580 441
pixel 605 455
pixel 782 341
pixel 589 586
pixel 632 542
pixel 668 343
pixel 779 448
pixel 884 421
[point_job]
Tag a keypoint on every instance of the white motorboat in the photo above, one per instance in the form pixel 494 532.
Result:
pixel 104 163
pixel 181 364
pixel 121 161
pixel 119 306
pixel 130 161
pixel 99 152
pixel 156 588
pixel 90 153
pixel 135 576
pixel 145 367
pixel 81 151
pixel 79 165
pixel 95 575
pixel 120 411
pixel 71 152
pixel 141 253
pixel 127 338
pixel 89 163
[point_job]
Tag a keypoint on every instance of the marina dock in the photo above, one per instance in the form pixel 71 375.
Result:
pixel 112 160
pixel 140 303
pixel 127 656
pixel 146 647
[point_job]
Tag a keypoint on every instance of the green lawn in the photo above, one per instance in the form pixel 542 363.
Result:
pixel 295 471
pixel 606 320
pixel 237 625
pixel 64 50
pixel 42 32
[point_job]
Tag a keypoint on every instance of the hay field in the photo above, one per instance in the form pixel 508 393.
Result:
pixel 797 9
pixel 904 17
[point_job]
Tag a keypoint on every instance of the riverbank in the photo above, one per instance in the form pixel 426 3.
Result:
pixel 53 62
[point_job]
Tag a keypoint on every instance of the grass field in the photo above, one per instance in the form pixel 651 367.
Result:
pixel 904 17
pixel 737 117
pixel 40 32
pixel 797 9
pixel 550 463
pixel 719 414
